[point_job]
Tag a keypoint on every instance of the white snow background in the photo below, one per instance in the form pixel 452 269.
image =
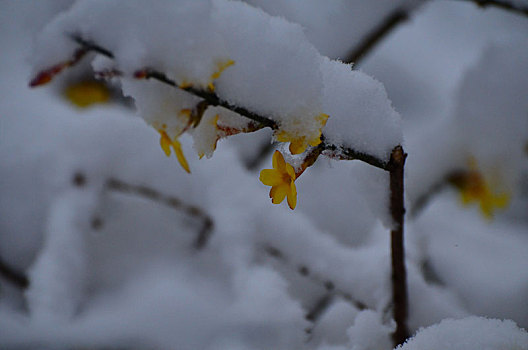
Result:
pixel 457 75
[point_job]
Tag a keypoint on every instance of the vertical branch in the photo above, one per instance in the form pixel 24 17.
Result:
pixel 399 278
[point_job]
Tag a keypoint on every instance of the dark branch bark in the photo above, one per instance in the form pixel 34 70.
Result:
pixel 264 150
pixel 170 201
pixel 305 272
pixel 18 279
pixel 421 202
pixel 399 276
pixel 376 35
pixel 319 308
pixel 504 5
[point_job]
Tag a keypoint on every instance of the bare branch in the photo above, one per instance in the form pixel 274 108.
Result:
pixel 212 99
pixel 501 4
pixel 399 275
pixel 170 201
pixel 421 202
pixel 17 278
pixel 376 35
pixel 305 272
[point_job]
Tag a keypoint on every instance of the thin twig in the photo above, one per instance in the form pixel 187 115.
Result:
pixel 17 278
pixel 304 271
pixel 171 201
pixel 319 308
pixel 264 150
pixel 376 35
pixel 399 275
pixel 421 202
pixel 504 5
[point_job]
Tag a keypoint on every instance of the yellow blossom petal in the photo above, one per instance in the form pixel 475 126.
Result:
pixel 298 146
pixel 278 193
pixel 165 142
pixel 271 177
pixel 87 93
pixel 176 145
pixel 290 171
pixel 474 188
pixel 292 196
pixel 281 179
pixel 278 161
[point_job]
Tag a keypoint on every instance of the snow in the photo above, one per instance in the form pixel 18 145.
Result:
pixel 491 111
pixel 133 278
pixel 368 332
pixel 270 68
pixel 468 334
pixel 358 104
pixel 332 19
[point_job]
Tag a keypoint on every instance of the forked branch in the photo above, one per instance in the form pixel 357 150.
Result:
pixel 395 166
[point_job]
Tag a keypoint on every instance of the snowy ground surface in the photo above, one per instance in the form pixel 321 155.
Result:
pixel 105 226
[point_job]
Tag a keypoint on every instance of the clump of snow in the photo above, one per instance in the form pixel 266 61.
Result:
pixel 336 26
pixel 276 69
pixel 249 58
pixel 374 192
pixel 358 105
pixel 58 276
pixel 370 333
pixel 162 106
pixel 334 323
pixel 472 333
pixel 484 266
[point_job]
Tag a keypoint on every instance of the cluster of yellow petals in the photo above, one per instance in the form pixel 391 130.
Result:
pixel 298 144
pixel 87 93
pixel 282 181
pixel 166 142
pixel 475 189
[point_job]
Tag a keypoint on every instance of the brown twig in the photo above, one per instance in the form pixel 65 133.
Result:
pixel 264 150
pixel 421 202
pixel 504 5
pixel 376 35
pixel 17 278
pixel 319 308
pixel 304 271
pixel 399 275
pixel 171 201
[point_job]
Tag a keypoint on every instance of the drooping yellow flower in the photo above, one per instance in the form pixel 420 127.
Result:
pixel 166 143
pixel 221 66
pixel 298 144
pixel 282 181
pixel 474 188
pixel 87 93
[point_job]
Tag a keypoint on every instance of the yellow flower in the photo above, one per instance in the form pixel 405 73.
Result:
pixel 86 93
pixel 166 143
pixel 281 179
pixel 474 188
pixel 299 144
